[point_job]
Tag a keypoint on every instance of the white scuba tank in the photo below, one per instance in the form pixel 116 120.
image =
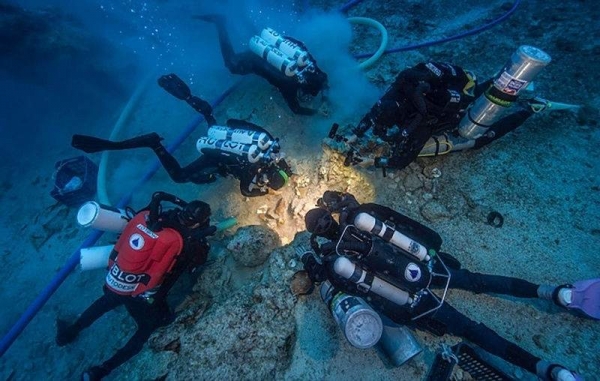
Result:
pixel 251 152
pixel 102 217
pixel 96 257
pixel 287 47
pixel 240 135
pixel 368 223
pixel 273 56
pixel 348 270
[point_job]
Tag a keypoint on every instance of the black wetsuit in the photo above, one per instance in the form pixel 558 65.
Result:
pixel 446 319
pixel 148 313
pixel 426 100
pixel 205 169
pixel 249 63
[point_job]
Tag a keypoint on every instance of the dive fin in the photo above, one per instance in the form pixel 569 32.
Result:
pixel 586 297
pixel 90 144
pixel 175 86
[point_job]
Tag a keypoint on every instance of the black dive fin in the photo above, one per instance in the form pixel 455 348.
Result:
pixel 175 86
pixel 90 144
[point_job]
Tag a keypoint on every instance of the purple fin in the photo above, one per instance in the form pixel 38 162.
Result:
pixel 586 297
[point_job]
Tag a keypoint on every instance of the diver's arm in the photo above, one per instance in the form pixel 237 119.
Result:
pixel 289 94
pixel 249 184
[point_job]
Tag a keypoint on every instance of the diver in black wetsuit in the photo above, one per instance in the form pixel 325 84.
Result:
pixel 307 82
pixel 258 171
pixel 419 115
pixel 394 262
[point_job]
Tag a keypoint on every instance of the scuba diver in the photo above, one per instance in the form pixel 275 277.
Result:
pixel 283 61
pixel 393 263
pixel 436 108
pixel 241 149
pixel 154 249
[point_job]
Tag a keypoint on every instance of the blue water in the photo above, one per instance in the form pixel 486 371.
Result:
pixel 70 67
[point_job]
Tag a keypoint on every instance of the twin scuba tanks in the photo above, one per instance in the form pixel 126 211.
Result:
pixel 285 55
pixel 114 220
pixel 396 268
pixel 494 104
pixel 100 217
pixel 250 145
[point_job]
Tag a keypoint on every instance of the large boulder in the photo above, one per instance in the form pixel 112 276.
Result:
pixel 252 245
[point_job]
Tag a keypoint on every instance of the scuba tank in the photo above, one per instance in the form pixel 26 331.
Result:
pixel 369 283
pixel 361 325
pixel 273 56
pixel 102 217
pixel 520 70
pixel 239 135
pixel 368 223
pixel 288 47
pixel 250 152
pixel 96 257
pixel 397 344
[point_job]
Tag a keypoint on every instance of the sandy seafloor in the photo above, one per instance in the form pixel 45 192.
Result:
pixel 543 178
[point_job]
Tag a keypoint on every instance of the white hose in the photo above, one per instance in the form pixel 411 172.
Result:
pixel 135 97
pixel 382 45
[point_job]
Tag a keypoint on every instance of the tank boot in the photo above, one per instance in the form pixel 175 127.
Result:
pixel 65 333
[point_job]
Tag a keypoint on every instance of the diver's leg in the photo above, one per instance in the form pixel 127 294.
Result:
pixel 495 284
pixel 148 317
pixel 458 324
pixel 203 170
pixel 170 164
pixel 236 63
pixel 200 171
pixel 66 333
pixel 92 144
